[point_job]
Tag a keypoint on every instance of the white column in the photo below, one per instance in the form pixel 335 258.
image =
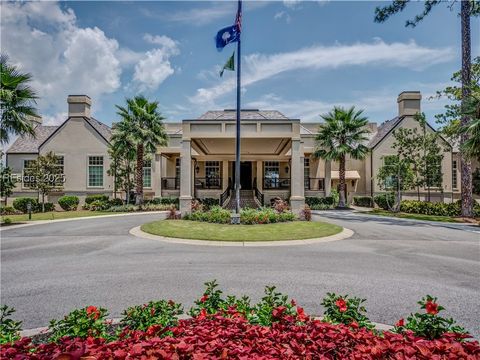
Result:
pixel 260 175
pixel 159 175
pixel 186 177
pixel 328 177
pixel 297 198
pixel 224 175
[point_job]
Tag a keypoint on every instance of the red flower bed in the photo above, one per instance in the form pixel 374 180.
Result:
pixel 217 337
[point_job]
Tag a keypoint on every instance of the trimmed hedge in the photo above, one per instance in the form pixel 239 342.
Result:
pixel 7 210
pixel 116 202
pixel 20 204
pixel 208 203
pixel 320 203
pixel 91 198
pixel 365 201
pixel 381 200
pixel 164 201
pixel 68 202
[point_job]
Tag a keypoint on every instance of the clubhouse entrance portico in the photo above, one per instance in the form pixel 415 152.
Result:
pixel 199 162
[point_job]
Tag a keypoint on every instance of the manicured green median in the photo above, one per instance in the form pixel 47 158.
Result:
pixel 414 216
pixel 295 230
pixel 56 215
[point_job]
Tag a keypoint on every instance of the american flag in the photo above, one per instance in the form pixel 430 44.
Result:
pixel 238 19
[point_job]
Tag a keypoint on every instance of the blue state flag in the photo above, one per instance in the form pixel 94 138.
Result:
pixel 226 36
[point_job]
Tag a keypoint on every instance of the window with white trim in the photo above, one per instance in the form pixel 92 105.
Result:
pixel 147 173
pixel 28 178
pixel 212 169
pixel 271 174
pixel 177 168
pixel 306 172
pixel 95 171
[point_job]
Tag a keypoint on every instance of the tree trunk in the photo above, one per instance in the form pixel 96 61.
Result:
pixel 465 164
pixel 43 202
pixel 341 187
pixel 139 175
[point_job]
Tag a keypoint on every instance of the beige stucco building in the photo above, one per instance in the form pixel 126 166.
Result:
pixel 198 162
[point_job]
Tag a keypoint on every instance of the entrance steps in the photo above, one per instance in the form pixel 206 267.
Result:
pixel 247 199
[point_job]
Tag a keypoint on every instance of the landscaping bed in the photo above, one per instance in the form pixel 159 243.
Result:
pixel 294 230
pixel 403 215
pixel 233 327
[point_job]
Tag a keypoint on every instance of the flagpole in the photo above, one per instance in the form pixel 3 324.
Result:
pixel 237 139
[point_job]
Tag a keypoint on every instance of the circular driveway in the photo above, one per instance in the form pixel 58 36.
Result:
pixel 48 270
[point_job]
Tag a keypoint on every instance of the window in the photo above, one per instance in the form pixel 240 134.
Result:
pixel 95 171
pixel 28 177
pixel 147 173
pixel 454 175
pixel 60 175
pixel 212 173
pixel 271 174
pixel 306 172
pixel 177 168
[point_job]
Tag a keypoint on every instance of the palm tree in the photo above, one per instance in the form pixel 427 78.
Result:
pixel 468 8
pixel 17 102
pixel 471 147
pixel 142 125
pixel 343 134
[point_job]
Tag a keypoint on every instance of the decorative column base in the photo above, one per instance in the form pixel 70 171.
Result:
pixel 297 204
pixel 185 205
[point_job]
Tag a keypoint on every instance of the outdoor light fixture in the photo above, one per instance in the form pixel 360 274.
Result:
pixel 197 169
pixel 286 169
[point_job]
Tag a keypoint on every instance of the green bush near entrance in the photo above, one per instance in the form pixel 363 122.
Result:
pixel 365 201
pixel 68 202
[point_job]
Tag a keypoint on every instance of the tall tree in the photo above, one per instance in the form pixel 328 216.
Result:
pixel 343 134
pixel 142 124
pixel 122 150
pixel 17 102
pixel 7 182
pixel 47 175
pixel 468 8
pixel 471 146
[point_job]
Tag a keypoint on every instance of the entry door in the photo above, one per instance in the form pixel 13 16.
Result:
pixel 246 175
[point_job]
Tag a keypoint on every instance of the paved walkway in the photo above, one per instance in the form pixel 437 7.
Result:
pixel 48 270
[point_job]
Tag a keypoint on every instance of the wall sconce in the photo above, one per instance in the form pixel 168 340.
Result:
pixel 286 169
pixel 197 169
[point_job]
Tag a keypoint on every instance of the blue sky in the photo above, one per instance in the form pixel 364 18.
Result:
pixel 301 58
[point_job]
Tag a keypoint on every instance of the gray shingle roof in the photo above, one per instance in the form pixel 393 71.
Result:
pixel 245 114
pixel 28 144
pixel 383 130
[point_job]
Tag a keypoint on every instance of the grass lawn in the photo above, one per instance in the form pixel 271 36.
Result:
pixel 55 215
pixel 294 230
pixel 415 216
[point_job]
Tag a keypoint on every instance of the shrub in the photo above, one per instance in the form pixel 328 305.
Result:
pixel 152 316
pixel 384 200
pixel 99 205
pixel 343 310
pixel 68 202
pixel 216 215
pixel 320 203
pixel 197 205
pixel 20 204
pixel 116 202
pixel 306 213
pixel 280 205
pixel 165 201
pixel 429 208
pixel 173 213
pixel 48 207
pixel 7 221
pixel 208 203
pixel 123 208
pixel 8 210
pixel 96 197
pixel 156 207
pixel 87 322
pixel 365 201
pixel 9 328
pixel 429 325
pixel 273 307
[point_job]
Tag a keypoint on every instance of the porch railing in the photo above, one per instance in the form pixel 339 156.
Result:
pixel 224 196
pixel 170 183
pixel 315 184
pixel 260 197
pixel 276 183
pixel 208 183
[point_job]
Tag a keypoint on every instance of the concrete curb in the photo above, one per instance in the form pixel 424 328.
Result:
pixel 42 222
pixel 42 330
pixel 346 233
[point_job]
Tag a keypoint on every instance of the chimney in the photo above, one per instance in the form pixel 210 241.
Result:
pixel 79 105
pixel 409 103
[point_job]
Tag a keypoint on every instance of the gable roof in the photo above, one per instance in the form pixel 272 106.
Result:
pixel 28 144
pixel 247 114
pixel 383 130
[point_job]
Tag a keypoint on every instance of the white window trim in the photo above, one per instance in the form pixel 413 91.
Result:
pixel 151 175
pixel 88 172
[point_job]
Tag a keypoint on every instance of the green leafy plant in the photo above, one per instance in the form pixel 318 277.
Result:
pixel 9 328
pixel 211 301
pixel 385 200
pixel 68 202
pixel 7 221
pixel 340 309
pixel 21 204
pixel 365 201
pixel 99 205
pixel 91 198
pixel 8 210
pixel 429 324
pixel 116 202
pixel 153 317
pixel 87 322
pixel 273 307
pixel 208 203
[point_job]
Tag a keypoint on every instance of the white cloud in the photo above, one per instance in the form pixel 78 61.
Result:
pixel 283 14
pixel 154 67
pixel 260 67
pixel 291 4
pixel 63 58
